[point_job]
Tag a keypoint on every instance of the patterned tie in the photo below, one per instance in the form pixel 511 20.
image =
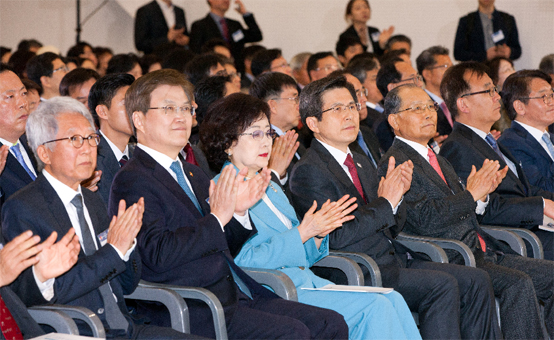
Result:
pixel 492 142
pixel 9 327
pixel 548 141
pixel 224 29
pixel 17 152
pixel 114 317
pixel 349 162
pixel 176 168
pixel 189 155
pixel 446 113
pixel 435 163
pixel 363 145
pixel 123 160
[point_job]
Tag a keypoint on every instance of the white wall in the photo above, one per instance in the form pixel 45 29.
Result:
pixel 293 25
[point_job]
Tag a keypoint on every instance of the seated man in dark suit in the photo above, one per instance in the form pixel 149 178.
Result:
pixel 192 229
pixel 438 205
pixel 473 101
pixel 527 96
pixel 271 60
pixel 108 267
pixel 365 68
pixel 449 298
pixel 215 25
pixel 48 259
pixel 107 106
pixel 160 22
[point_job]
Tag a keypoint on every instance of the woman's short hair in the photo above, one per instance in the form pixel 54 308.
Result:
pixel 225 120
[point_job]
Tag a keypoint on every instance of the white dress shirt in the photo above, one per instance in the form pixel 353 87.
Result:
pixel 537 134
pixel 23 153
pixel 117 153
pixel 168 12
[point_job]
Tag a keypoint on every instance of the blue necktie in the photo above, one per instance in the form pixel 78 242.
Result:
pixel 492 142
pixel 17 152
pixel 379 109
pixel 546 139
pixel 364 147
pixel 176 168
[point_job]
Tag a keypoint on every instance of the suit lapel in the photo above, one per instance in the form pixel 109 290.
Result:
pixel 199 189
pixel 13 164
pixel 30 153
pixel 106 157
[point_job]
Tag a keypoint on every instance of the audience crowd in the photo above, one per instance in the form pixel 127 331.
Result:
pixel 208 158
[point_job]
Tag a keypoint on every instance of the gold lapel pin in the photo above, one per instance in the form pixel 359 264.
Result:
pixel 191 175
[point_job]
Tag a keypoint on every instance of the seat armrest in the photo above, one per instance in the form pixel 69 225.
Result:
pixel 175 304
pixel 278 281
pixel 79 313
pixel 435 252
pixel 60 321
pixel 527 235
pixel 458 246
pixel 513 240
pixel 349 267
pixel 364 261
pixel 202 294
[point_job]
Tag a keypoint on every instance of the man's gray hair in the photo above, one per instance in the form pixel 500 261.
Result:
pixel 42 125
pixel 298 60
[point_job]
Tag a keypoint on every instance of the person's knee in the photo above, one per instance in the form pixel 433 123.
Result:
pixel 330 326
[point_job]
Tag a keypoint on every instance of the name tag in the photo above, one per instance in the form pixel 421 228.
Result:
pixel 497 36
pixel 103 237
pixel 238 36
pixel 375 36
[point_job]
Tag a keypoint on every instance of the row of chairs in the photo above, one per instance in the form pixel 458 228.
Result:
pixel 61 317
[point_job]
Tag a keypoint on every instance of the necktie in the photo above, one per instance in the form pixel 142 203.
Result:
pixel 17 152
pixel 349 162
pixel 189 153
pixel 114 317
pixel 224 29
pixel 446 113
pixel 176 168
pixel 363 145
pixel 123 160
pixel 492 142
pixel 435 163
pixel 549 146
pixel 379 108
pixel 9 327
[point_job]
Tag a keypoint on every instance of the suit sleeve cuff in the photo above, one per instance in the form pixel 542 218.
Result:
pixel 125 257
pixel 395 209
pixel 46 288
pixel 481 206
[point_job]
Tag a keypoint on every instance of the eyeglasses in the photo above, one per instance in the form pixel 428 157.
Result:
pixel 78 140
pixel 222 73
pixel 345 108
pixel 547 98
pixel 259 134
pixel 438 66
pixel 61 68
pixel 417 79
pixel 419 109
pixel 328 68
pixel 171 110
pixel 295 99
pixel 490 91
pixel 284 65
pixel 361 91
pixel 234 74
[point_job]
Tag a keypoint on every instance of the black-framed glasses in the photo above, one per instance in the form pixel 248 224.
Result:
pixel 438 66
pixel 490 91
pixel 78 140
pixel 172 110
pixel 419 109
pixel 295 99
pixel 259 134
pixel 547 98
pixel 417 79
pixel 354 107
pixel 235 74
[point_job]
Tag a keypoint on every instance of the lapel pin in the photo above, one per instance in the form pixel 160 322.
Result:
pixel 191 175
pixel 359 165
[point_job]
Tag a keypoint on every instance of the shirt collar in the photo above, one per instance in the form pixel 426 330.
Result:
pixel 118 154
pixel 277 130
pixel 163 5
pixel 10 144
pixel 216 17
pixel 164 160
pixel 65 193
pixel 421 149
pixel 480 133
pixel 436 98
pixel 536 133
pixel 337 154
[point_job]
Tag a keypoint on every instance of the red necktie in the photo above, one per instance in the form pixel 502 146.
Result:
pixel 446 113
pixel 190 155
pixel 123 160
pixel 224 29
pixel 435 164
pixel 9 327
pixel 349 162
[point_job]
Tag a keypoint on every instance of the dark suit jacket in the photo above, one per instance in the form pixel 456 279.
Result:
pixel 470 40
pixel 151 28
pixel 109 165
pixel 436 209
pixel 372 144
pixel 372 117
pixel 384 133
pixel 535 161
pixel 351 32
pixel 38 208
pixel 318 176
pixel 443 126
pixel 205 29
pixel 177 244
pixel 29 328
pixel 515 202
pixel 14 176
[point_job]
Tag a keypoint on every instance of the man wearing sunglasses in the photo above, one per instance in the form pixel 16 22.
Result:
pixel 475 105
